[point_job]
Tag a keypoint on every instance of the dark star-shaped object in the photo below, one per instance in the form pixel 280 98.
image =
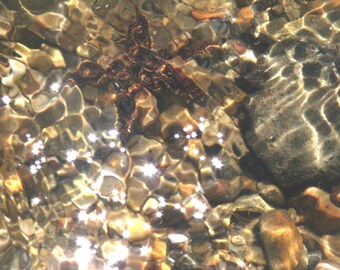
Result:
pixel 140 68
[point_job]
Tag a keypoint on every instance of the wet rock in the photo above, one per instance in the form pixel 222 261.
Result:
pixel 12 79
pixel 159 247
pixel 130 226
pixel 271 193
pixel 16 258
pixel 73 98
pixel 49 110
pixel 5 28
pixel 296 140
pixel 76 193
pixel 282 241
pixel 314 257
pixel 116 250
pixel 137 194
pixel 316 209
pixel 109 186
pixel 335 196
pixel 254 254
pixel 221 191
pixel 330 245
pixel 328 265
pixel 4 235
pixel 85 198
pixel 188 262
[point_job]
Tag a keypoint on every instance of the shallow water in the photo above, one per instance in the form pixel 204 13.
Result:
pixel 167 134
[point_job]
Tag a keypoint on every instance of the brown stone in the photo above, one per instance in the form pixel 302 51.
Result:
pixel 335 196
pixel 315 207
pixel 330 245
pixel 130 226
pixel 282 241
pixel 271 194
pixel 328 265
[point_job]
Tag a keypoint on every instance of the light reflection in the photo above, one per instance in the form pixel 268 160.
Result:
pixel 194 135
pixel 37 147
pixel 126 234
pixel 198 215
pixel 6 100
pixel 188 128
pixel 201 127
pixel 109 267
pixel 114 133
pixel 202 158
pixel 71 155
pixel 145 251
pixel 216 163
pixel 149 170
pixel 177 206
pixel 161 201
pixel 89 157
pixel 55 87
pixel 82 216
pixel 147 226
pixel 35 201
pixel 118 255
pixel 177 238
pixel 33 169
pixel 84 254
pixel 92 137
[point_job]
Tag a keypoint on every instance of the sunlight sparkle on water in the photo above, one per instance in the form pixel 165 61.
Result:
pixel 6 100
pixel 71 155
pixel 216 163
pixel 55 87
pixel 149 169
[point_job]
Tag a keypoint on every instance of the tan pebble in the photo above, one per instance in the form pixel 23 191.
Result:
pixel 137 194
pixel 85 199
pixel 115 249
pixel 158 250
pixel 130 226
pixel 238 240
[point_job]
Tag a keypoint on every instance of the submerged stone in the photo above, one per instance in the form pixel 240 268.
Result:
pixel 282 241
pixel 293 124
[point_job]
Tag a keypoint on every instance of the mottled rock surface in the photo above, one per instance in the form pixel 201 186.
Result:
pixel 293 122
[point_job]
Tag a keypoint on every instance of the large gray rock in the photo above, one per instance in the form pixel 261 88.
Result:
pixel 293 123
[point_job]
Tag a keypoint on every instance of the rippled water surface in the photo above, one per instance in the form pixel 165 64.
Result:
pixel 169 134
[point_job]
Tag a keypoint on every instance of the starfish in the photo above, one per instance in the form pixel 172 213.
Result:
pixel 138 69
